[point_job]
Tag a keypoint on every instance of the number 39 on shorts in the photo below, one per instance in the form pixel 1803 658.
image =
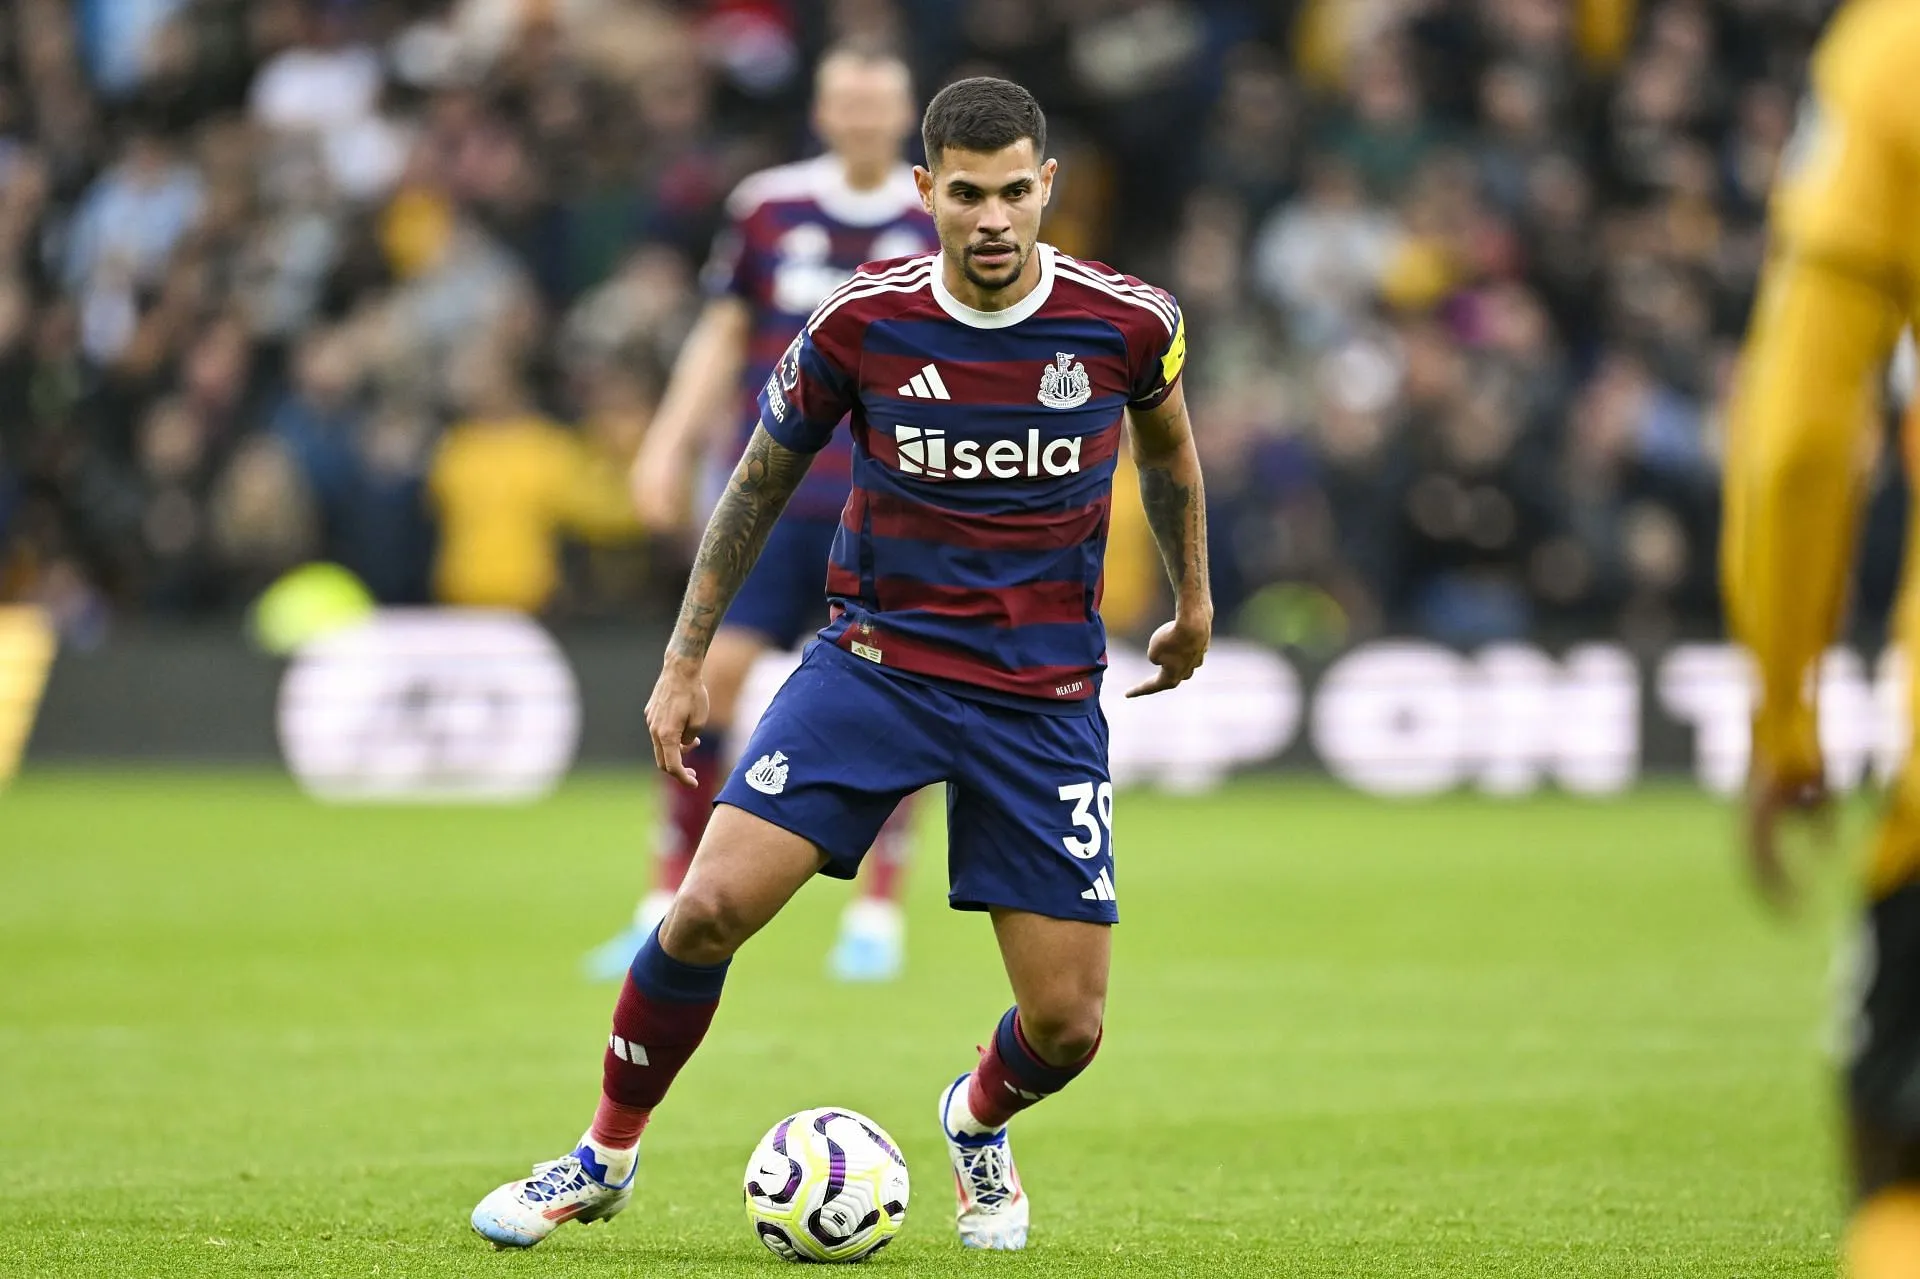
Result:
pixel 1085 797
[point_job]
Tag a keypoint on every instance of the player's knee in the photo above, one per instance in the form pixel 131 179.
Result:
pixel 1062 1034
pixel 705 926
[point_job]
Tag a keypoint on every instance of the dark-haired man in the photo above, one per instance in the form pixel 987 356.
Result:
pixel 985 387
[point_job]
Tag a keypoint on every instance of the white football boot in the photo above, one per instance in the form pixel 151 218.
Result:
pixel 574 1187
pixel 993 1207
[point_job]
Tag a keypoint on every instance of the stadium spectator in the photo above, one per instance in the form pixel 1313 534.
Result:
pixel 1463 278
pixel 507 483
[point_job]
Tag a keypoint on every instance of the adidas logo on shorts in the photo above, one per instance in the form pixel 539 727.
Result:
pixel 1102 890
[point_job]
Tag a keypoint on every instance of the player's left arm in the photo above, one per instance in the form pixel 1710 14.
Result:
pixel 1174 497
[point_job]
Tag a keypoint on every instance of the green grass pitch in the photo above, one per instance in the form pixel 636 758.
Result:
pixel 244 1034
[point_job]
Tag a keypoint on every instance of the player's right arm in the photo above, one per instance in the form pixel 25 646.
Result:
pixel 804 399
pixel 756 494
pixel 692 409
pixel 1807 400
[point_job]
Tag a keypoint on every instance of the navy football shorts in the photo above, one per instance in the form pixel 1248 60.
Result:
pixel 785 594
pixel 1029 797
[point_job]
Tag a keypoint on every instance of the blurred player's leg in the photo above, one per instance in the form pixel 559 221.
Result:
pixel 873 930
pixel 1883 1238
pixel 688 808
pixel 745 871
pixel 1883 1078
pixel 1058 968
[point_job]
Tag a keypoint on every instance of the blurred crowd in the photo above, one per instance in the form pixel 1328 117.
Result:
pixel 396 283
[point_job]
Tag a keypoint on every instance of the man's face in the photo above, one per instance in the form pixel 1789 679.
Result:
pixel 986 206
pixel 863 111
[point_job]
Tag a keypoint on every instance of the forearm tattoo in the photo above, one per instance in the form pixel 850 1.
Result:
pixel 756 494
pixel 1179 523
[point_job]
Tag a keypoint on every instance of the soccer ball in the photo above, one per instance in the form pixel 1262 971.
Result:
pixel 826 1185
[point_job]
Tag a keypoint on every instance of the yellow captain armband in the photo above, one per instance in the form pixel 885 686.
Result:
pixel 1176 356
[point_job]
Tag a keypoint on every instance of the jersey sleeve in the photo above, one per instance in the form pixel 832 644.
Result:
pixel 806 395
pixel 1844 193
pixel 1159 351
pixel 733 267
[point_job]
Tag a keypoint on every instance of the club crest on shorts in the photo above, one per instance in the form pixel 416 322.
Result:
pixel 1064 384
pixel 769 773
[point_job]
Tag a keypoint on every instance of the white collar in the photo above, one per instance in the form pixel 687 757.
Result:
pixel 1019 311
pixel 874 206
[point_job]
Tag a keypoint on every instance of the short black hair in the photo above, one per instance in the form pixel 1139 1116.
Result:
pixel 982 114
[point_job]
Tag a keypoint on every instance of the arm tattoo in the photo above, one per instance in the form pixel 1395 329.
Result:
pixel 1178 522
pixel 761 484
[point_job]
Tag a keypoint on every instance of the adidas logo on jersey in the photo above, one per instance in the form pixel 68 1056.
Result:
pixel 1102 890
pixel 926 385
pixel 923 451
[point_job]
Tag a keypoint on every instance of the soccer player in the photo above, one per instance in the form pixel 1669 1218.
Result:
pixel 1840 284
pixel 985 386
pixel 794 235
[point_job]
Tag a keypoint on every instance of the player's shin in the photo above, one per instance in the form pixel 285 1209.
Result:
pixel 664 1011
pixel 1010 1077
pixel 688 810
pixel 873 930
pixel 887 863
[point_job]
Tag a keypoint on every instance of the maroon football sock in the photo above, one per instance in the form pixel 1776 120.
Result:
pixel 1011 1076
pixel 664 1010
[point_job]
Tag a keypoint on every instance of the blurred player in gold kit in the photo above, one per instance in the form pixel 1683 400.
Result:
pixel 1843 279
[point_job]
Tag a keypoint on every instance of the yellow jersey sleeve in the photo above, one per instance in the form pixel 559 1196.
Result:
pixel 1844 194
pixel 1844 242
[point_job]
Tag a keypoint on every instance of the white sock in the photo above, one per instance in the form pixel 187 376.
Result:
pixel 960 1120
pixel 619 1163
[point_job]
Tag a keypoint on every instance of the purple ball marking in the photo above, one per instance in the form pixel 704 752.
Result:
pixel 778 1243
pixel 795 1174
pixel 836 1182
pixel 880 1140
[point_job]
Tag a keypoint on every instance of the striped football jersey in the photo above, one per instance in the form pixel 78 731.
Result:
pixel 971 547
pixel 793 235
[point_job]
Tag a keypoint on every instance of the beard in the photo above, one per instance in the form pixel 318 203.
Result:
pixel 994 283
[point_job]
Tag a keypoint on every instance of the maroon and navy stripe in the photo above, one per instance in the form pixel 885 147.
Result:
pixel 1035 684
